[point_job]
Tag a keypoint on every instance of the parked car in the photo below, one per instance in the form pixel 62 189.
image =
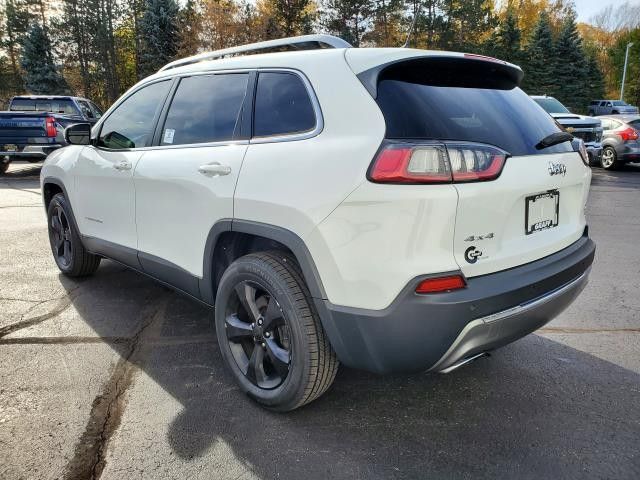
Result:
pixel 387 208
pixel 611 107
pixel 586 128
pixel 33 126
pixel 621 141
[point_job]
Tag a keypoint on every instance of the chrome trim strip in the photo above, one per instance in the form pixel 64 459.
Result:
pixel 489 319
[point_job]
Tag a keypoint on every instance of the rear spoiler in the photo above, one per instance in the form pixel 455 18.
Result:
pixel 468 70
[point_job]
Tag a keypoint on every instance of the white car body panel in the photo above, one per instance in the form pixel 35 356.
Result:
pixel 176 205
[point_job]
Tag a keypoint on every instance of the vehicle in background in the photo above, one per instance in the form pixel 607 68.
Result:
pixel 586 128
pixel 33 126
pixel 621 140
pixel 611 107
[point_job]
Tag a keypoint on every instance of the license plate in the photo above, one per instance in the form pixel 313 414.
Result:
pixel 541 211
pixel 10 148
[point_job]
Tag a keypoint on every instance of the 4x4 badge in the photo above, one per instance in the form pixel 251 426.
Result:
pixel 471 254
pixel 477 238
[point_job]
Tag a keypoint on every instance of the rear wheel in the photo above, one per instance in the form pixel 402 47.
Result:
pixel 609 159
pixel 4 167
pixel 68 252
pixel 269 332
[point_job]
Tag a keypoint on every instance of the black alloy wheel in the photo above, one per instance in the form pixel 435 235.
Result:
pixel 258 335
pixel 60 237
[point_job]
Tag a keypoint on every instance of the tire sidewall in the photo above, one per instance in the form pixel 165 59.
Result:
pixel 255 270
pixel 615 158
pixel 60 200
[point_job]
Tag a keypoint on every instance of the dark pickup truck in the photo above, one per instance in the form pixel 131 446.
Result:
pixel 34 125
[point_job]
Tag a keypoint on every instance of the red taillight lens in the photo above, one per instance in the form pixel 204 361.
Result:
pixel 51 127
pixel 629 134
pixel 436 163
pixel 441 284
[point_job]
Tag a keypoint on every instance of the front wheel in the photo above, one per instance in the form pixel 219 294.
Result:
pixel 269 333
pixel 68 252
pixel 609 159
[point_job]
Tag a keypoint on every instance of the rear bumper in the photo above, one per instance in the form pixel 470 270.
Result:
pixel 30 151
pixel 438 331
pixel 594 150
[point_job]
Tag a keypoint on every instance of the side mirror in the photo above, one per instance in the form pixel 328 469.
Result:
pixel 78 134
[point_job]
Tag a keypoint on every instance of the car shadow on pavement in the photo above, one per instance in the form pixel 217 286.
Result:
pixel 535 409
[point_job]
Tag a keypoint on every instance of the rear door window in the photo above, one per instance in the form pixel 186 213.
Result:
pixel 205 108
pixel 282 105
pixel 421 103
pixel 23 105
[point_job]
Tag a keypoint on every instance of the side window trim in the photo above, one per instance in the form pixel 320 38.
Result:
pixel 319 126
pixel 104 118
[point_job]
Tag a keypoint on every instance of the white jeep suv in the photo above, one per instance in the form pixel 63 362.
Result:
pixel 389 209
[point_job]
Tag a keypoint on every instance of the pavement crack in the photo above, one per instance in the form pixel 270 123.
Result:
pixel 588 330
pixel 107 408
pixel 63 303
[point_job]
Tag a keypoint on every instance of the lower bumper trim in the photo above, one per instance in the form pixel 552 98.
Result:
pixel 493 331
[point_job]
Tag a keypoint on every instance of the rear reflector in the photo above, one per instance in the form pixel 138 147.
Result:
pixel 441 284
pixel 51 126
pixel 436 163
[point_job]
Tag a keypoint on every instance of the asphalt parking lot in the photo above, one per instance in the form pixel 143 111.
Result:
pixel 116 377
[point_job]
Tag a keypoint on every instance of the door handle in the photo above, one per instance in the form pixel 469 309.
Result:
pixel 214 169
pixel 122 166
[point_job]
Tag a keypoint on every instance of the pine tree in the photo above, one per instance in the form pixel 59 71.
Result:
pixel 538 60
pixel 348 18
pixel 595 78
pixel 189 28
pixel 159 29
pixel 508 37
pixel 41 74
pixel 571 66
pixel 291 17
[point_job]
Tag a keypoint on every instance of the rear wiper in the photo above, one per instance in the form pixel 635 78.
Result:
pixel 554 139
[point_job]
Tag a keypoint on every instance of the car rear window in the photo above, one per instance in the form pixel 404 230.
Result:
pixel 63 106
pixel 635 124
pixel 282 105
pixel 419 103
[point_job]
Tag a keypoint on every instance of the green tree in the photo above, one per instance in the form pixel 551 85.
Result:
pixel 159 29
pixel 290 17
pixel 571 66
pixel 41 74
pixel 595 78
pixel 539 59
pixel 348 19
pixel 508 38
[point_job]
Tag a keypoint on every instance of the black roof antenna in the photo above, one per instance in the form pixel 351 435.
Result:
pixel 413 26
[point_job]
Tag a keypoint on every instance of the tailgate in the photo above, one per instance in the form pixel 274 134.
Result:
pixel 533 209
pixel 20 127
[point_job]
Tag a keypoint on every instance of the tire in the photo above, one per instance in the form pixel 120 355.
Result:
pixel 67 249
pixel 592 114
pixel 609 159
pixel 4 167
pixel 270 334
pixel 615 112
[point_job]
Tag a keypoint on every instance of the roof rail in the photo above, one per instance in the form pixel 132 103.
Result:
pixel 303 42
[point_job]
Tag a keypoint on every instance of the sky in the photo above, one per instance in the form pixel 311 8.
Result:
pixel 588 8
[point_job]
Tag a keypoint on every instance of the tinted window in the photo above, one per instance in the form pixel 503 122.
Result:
pixel 505 118
pixel 97 112
pixel 635 124
pixel 282 105
pixel 23 105
pixel 205 108
pixel 86 109
pixel 63 106
pixel 131 124
pixel 618 103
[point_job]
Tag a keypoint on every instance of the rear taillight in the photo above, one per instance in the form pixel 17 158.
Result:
pixel 628 134
pixel 441 284
pixel 436 163
pixel 51 127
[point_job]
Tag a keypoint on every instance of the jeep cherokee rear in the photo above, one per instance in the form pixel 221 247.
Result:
pixel 393 209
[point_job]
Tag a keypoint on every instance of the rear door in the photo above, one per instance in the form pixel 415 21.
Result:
pixel 186 184
pixel 534 205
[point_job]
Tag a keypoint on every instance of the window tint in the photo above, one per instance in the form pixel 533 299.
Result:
pixel 282 105
pixel 131 124
pixel 205 108
pixel 635 124
pixel 64 106
pixel 97 112
pixel 23 105
pixel 506 118
pixel 551 105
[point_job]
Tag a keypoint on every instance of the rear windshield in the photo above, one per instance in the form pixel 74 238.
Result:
pixel 551 105
pixel 501 115
pixel 635 124
pixel 63 106
pixel 619 103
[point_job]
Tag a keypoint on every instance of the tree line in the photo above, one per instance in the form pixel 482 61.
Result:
pixel 99 48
